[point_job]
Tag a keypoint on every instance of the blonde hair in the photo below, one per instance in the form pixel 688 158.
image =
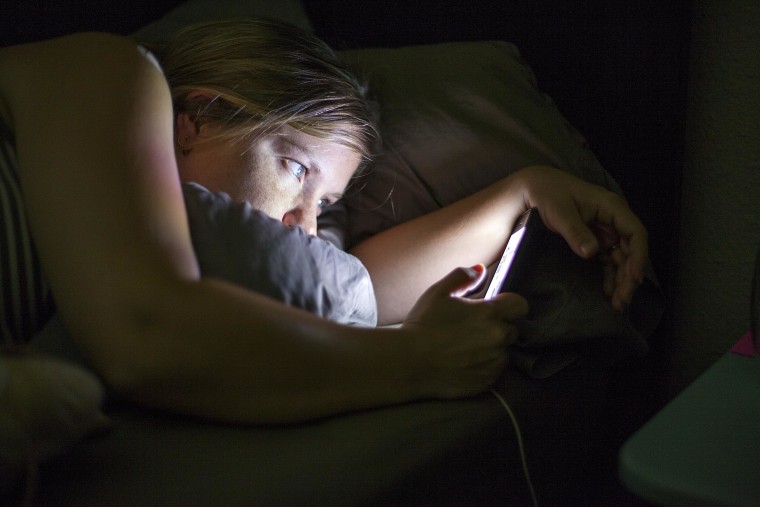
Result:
pixel 256 76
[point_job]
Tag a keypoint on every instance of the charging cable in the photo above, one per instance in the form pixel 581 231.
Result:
pixel 520 445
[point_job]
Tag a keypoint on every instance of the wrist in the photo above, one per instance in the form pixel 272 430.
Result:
pixel 417 368
pixel 524 182
pixel 390 362
pixel 405 361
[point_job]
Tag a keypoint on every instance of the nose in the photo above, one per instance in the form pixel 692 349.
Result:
pixel 302 217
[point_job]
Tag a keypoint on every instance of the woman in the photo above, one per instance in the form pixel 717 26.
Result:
pixel 101 154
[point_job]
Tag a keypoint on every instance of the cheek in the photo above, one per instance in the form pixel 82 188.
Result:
pixel 269 192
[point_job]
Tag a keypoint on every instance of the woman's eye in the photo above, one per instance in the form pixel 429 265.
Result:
pixel 298 170
pixel 323 203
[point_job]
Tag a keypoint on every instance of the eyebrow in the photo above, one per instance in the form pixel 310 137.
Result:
pixel 312 166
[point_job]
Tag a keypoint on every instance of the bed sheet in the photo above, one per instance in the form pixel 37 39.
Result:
pixel 429 452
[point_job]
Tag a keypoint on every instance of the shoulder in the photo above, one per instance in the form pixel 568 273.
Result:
pixel 68 46
pixel 84 60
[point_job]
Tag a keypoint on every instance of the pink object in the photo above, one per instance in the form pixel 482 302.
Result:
pixel 744 346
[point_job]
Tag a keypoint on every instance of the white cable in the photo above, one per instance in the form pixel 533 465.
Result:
pixel 519 445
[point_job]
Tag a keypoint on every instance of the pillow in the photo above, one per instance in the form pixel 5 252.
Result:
pixel 457 117
pixel 236 243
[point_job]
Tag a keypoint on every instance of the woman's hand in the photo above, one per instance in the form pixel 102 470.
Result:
pixel 594 221
pixel 461 344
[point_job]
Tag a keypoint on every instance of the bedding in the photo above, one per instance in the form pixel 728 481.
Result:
pixel 244 246
pixel 456 117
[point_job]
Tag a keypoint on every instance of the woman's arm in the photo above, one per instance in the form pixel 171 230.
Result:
pixel 405 259
pixel 94 133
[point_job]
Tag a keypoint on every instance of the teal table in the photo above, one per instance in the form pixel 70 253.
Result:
pixel 703 448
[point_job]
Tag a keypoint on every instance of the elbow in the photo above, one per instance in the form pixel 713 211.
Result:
pixel 132 347
pixel 127 374
pixel 156 352
pixel 125 364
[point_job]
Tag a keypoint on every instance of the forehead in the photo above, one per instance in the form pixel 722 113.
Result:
pixel 316 146
pixel 320 156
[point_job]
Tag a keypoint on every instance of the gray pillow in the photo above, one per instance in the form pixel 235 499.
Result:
pixel 241 245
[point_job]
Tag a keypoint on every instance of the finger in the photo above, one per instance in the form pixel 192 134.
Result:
pixel 462 281
pixel 634 242
pixel 509 306
pixel 625 286
pixel 618 254
pixel 617 285
pixel 607 236
pixel 638 253
pixel 459 282
pixel 494 358
pixel 625 289
pixel 568 223
pixel 622 297
pixel 502 334
pixel 610 274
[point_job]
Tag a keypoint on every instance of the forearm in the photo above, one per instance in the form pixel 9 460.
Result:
pixel 405 260
pixel 219 352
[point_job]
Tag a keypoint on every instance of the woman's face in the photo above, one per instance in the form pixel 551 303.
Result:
pixel 290 176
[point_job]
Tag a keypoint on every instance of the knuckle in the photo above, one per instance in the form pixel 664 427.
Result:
pixel 613 199
pixel 515 306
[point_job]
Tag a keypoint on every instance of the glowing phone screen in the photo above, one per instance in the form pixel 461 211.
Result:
pixel 505 262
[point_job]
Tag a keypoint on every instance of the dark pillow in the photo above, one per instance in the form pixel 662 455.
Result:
pixel 455 118
pixel 244 246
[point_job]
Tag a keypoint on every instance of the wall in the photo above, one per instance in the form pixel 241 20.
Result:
pixel 720 217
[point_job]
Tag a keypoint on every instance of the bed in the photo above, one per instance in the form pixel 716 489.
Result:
pixel 467 95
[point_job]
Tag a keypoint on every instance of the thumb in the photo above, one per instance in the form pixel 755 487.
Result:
pixel 462 281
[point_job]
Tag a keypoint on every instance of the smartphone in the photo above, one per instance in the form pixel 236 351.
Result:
pixel 524 244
